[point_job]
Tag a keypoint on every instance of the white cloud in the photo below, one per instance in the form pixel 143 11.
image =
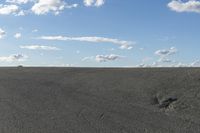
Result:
pixel 46 6
pixel 180 64
pixel 8 9
pixel 2 33
pixel 171 64
pixel 13 58
pixel 123 44
pixel 35 30
pixel 99 3
pixel 18 1
pixel 195 63
pixel 165 60
pixel 88 58
pixel 41 7
pixel 142 49
pixel 88 2
pixel 71 6
pixel 60 65
pixel 143 65
pixel 96 3
pixel 105 58
pixel 39 47
pixel 181 6
pixel 21 13
pixel 166 52
pixel 18 35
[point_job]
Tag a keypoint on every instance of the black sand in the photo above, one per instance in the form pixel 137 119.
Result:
pixel 75 100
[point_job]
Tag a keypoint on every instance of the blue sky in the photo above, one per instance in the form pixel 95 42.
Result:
pixel 100 33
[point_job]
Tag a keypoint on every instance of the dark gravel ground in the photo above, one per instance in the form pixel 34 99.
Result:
pixel 95 100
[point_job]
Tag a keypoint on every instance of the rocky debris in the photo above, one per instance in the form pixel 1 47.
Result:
pixel 166 102
pixel 163 102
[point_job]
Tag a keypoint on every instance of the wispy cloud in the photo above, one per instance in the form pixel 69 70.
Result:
pixel 166 52
pixel 88 58
pixel 2 33
pixel 96 3
pixel 18 35
pixel 123 44
pixel 13 58
pixel 35 30
pixel 18 1
pixel 39 47
pixel 103 58
pixel 195 63
pixel 188 6
pixel 165 60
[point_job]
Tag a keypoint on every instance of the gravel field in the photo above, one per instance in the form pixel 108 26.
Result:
pixel 99 100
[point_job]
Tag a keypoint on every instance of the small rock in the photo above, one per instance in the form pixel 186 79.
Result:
pixel 165 103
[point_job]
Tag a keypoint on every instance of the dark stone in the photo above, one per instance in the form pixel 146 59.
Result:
pixel 167 102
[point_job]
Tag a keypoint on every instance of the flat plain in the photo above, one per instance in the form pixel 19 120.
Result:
pixel 99 100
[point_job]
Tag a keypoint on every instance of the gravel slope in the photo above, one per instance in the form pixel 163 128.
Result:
pixel 88 100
